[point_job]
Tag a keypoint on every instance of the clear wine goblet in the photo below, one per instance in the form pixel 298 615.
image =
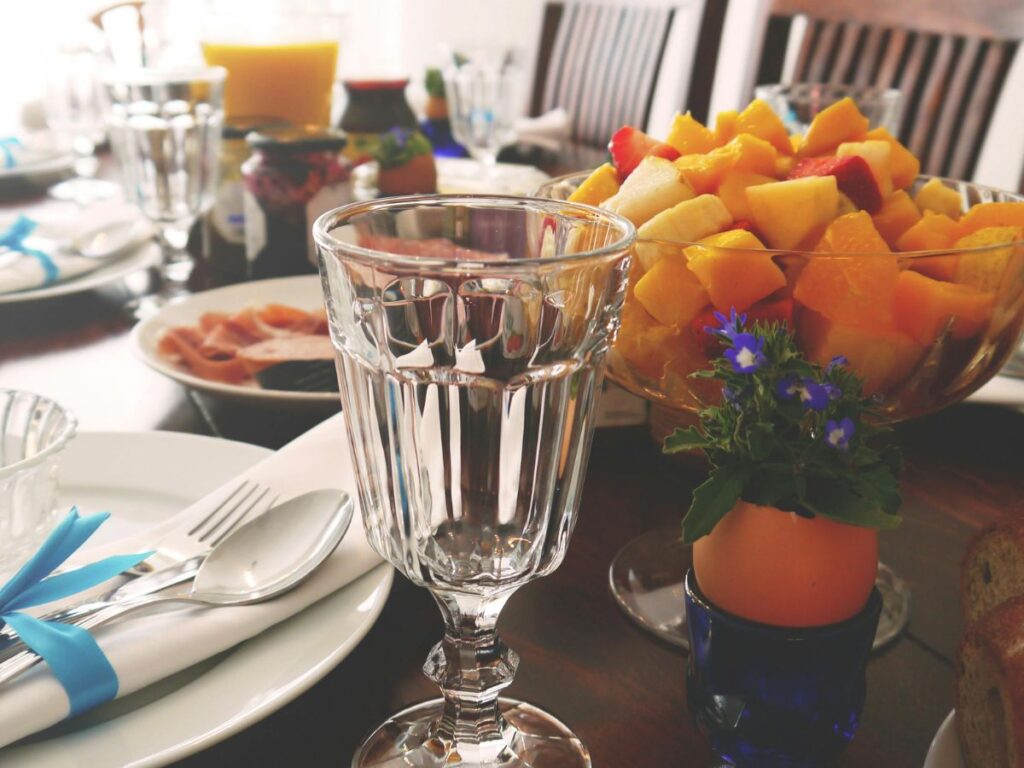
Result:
pixel 165 130
pixel 471 335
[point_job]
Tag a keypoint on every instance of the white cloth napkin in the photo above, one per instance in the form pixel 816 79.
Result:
pixel 547 131
pixel 58 223
pixel 148 648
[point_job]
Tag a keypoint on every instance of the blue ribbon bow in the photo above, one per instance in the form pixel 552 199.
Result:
pixel 6 142
pixel 76 659
pixel 14 238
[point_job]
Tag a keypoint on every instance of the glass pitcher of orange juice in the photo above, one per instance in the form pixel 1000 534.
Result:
pixel 281 57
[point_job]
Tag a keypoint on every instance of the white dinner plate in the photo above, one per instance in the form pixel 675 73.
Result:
pixel 945 749
pixel 145 256
pixel 303 292
pixel 462 175
pixel 142 478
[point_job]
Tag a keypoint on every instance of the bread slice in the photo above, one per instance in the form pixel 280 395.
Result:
pixel 990 689
pixel 992 570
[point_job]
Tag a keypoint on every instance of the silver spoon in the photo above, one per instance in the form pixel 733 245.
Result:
pixel 261 560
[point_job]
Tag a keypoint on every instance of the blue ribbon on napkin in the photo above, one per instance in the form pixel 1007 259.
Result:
pixel 14 238
pixel 6 142
pixel 76 659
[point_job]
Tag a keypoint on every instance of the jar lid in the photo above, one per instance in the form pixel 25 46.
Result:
pixel 297 138
pixel 391 84
pixel 239 126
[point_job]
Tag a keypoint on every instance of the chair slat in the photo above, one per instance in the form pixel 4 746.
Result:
pixel 951 109
pixel 817 71
pixel 806 47
pixel 926 115
pixel 894 50
pixel 973 115
pixel 868 61
pixel 850 32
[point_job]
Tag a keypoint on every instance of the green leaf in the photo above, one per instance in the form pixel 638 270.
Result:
pixel 712 499
pixel 838 502
pixel 684 440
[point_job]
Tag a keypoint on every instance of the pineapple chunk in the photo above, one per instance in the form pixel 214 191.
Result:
pixel 654 186
pixel 686 222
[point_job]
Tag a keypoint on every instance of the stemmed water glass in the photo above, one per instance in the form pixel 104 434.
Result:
pixel 471 335
pixel 165 130
pixel 482 86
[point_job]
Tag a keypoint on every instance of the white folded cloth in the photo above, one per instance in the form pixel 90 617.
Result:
pixel 547 131
pixel 56 224
pixel 148 648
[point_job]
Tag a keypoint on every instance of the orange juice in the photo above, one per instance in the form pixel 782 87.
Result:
pixel 291 81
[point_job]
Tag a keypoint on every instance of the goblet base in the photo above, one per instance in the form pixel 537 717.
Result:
pixel 534 739
pixel 647 581
pixel 83 190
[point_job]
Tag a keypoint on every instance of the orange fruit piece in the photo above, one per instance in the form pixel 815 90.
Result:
pixel 992 215
pixel 897 214
pixel 903 164
pixel 600 185
pixel 881 356
pixel 932 232
pixel 646 344
pixel 852 233
pixel 832 126
pixel 689 136
pixel 734 278
pixel 985 269
pixel 671 293
pixel 923 308
pixel 760 120
pixel 778 568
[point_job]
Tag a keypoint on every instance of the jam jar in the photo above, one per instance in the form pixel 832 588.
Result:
pixel 374 107
pixel 295 174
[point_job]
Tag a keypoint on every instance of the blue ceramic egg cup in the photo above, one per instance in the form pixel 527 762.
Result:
pixel 776 696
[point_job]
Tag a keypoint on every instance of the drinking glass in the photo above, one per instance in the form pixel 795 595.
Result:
pixel 74 112
pixel 165 130
pixel 483 89
pixel 471 335
pixel 798 103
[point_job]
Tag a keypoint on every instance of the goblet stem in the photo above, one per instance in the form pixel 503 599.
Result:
pixel 472 666
pixel 176 262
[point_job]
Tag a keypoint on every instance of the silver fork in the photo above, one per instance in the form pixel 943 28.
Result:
pixel 175 564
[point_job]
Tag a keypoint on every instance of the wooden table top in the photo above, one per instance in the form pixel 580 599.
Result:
pixel 621 690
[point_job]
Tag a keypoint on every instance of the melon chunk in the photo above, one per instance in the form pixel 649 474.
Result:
pixel 671 293
pixel 685 222
pixel 883 357
pixel 733 191
pixel 734 276
pixel 652 187
pixel 936 196
pixel 794 213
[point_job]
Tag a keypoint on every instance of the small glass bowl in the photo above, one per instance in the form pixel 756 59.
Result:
pixel 33 432
pixel 776 696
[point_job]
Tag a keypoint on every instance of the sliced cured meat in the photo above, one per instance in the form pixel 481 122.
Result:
pixel 274 351
pixel 229 371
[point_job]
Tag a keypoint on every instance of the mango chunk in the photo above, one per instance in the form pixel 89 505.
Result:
pixel 985 269
pixel 936 196
pixel 734 276
pixel 689 136
pixel 795 212
pixel 652 187
pixel 600 185
pixel 832 126
pixel 704 173
pixel 733 191
pixel 883 357
pixel 923 308
pixel 671 293
pixel 903 164
pixel 760 120
pixel 897 214
pixel 992 215
pixel 685 222
pixel 646 344
pixel 852 233
pixel 727 126
pixel 932 232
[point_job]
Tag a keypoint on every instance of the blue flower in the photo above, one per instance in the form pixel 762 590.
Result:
pixel 728 327
pixel 836 361
pixel 788 387
pixel 834 392
pixel 747 353
pixel 838 433
pixel 813 395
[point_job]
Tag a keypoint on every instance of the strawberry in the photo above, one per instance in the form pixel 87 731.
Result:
pixel 853 176
pixel 629 146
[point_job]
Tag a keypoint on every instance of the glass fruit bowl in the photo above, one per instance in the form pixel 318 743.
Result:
pixel 924 328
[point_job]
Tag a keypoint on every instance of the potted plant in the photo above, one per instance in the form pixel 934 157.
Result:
pixel 781 601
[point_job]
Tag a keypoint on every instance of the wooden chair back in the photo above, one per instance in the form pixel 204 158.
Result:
pixel 962 78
